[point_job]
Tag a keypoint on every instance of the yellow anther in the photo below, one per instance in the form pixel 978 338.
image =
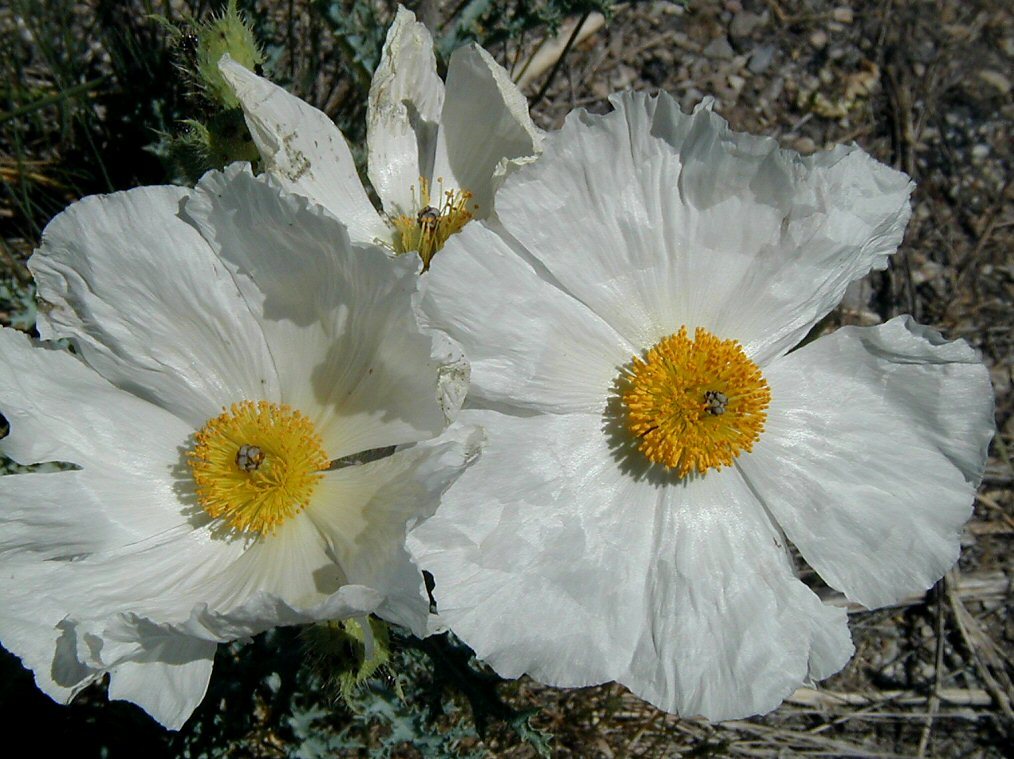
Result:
pixel 427 230
pixel 256 465
pixel 695 404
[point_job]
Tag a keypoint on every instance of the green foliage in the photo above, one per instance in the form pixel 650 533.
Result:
pixel 491 23
pixel 359 30
pixel 278 689
pixel 83 87
pixel 17 302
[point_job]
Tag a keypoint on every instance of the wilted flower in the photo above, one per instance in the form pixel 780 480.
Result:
pixel 654 440
pixel 436 153
pixel 232 345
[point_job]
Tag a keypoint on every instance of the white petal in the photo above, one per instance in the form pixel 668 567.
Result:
pixel 728 630
pixel 60 410
pixel 406 97
pixel 28 629
pixel 363 511
pixel 875 441
pixel 148 304
pixel 63 516
pixel 127 636
pixel 484 125
pixel 305 151
pixel 550 559
pixel 536 550
pixel 528 342
pixel 341 320
pixel 170 687
pixel 655 218
pixel 164 667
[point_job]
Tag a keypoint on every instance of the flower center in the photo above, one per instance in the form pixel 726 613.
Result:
pixel 695 404
pixel 428 230
pixel 256 465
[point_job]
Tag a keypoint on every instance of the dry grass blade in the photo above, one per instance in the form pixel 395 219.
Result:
pixel 988 662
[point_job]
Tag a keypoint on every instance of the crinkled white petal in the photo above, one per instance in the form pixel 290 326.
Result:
pixel 148 305
pixel 402 116
pixel 126 636
pixel 159 602
pixel 538 550
pixel 60 410
pixel 341 320
pixel 62 516
pixel 363 512
pixel 875 441
pixel 171 684
pixel 529 343
pixel 484 125
pixel 305 151
pixel 655 218
pixel 551 557
pixel 28 627
pixel 164 667
pixel 726 629
pixel 163 574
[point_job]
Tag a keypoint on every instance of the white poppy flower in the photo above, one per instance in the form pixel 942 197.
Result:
pixel 231 343
pixel 436 153
pixel 652 441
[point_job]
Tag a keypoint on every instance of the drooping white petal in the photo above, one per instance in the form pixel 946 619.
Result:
pixel 148 305
pixel 340 320
pixel 164 667
pixel 530 343
pixel 363 512
pixel 655 218
pixel 131 611
pixel 170 686
pixel 873 447
pixel 28 628
pixel 580 570
pixel 403 111
pixel 484 125
pixel 305 151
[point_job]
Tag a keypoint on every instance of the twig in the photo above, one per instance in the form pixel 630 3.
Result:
pixel 982 586
pixel 550 49
pixel 831 699
pixel 938 665
pixel 980 647
pixel 559 61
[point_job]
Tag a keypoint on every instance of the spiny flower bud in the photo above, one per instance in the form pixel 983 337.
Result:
pixel 228 33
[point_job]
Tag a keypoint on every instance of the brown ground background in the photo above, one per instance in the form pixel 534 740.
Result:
pixel 924 86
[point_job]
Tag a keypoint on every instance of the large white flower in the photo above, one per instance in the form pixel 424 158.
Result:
pixel 653 444
pixel 231 343
pixel 436 154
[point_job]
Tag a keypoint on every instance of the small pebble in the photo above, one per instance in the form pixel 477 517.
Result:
pixel 761 58
pixel 744 24
pixel 842 15
pixel 995 79
pixel 804 145
pixel 719 48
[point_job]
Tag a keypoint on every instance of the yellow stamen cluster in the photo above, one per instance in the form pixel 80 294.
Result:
pixel 256 465
pixel 695 404
pixel 428 230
